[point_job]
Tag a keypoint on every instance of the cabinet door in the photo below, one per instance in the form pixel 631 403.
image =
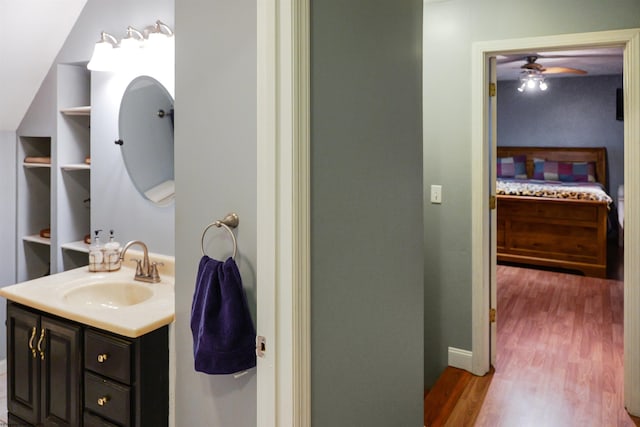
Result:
pixel 61 385
pixel 23 364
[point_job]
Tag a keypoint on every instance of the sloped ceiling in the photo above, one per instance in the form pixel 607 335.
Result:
pixel 32 33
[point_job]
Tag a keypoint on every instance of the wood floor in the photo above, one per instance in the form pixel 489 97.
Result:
pixel 559 358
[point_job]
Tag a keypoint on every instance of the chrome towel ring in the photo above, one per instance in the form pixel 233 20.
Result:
pixel 228 222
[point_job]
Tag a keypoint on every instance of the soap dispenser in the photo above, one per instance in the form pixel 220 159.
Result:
pixel 112 253
pixel 96 254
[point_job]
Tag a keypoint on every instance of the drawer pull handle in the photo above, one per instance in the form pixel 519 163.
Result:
pixel 40 349
pixel 102 357
pixel 33 337
pixel 103 400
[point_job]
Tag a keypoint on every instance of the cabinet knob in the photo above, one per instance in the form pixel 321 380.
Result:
pixel 103 400
pixel 102 357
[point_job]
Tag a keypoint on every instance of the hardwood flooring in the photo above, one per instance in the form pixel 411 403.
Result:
pixel 559 357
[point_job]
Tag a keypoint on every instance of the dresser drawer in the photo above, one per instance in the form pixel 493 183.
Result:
pixel 108 399
pixel 108 355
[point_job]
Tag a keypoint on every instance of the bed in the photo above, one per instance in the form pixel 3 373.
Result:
pixel 567 230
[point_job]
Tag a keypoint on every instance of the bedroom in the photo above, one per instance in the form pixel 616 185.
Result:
pixel 576 110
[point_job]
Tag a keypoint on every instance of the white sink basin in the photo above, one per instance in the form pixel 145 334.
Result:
pixel 113 295
pixel 112 301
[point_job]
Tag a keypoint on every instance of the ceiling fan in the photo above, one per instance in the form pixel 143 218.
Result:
pixel 532 65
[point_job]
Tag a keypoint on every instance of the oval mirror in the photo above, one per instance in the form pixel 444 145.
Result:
pixel 145 124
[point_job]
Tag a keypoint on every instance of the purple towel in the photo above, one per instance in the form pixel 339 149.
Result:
pixel 223 332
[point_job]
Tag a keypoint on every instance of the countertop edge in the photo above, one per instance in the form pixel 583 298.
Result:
pixel 133 332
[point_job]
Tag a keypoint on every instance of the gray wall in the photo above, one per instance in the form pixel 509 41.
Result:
pixel 573 112
pixel 450 27
pixel 366 217
pixel 8 215
pixel 215 174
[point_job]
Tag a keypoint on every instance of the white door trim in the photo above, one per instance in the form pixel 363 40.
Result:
pixel 283 260
pixel 481 51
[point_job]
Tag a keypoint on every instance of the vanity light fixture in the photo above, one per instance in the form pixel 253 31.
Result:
pixel 531 80
pixel 130 46
pixel 109 54
pixel 103 53
pixel 158 34
pixel 133 40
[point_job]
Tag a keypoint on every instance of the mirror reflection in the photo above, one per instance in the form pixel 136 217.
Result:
pixel 146 138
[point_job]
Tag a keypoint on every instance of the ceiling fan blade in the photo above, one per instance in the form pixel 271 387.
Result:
pixel 562 70
pixel 533 66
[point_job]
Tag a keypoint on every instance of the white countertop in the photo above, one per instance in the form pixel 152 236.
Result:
pixel 48 294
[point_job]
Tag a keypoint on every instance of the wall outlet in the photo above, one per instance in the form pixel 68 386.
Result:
pixel 436 194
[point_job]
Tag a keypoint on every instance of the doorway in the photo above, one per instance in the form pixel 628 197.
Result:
pixel 482 269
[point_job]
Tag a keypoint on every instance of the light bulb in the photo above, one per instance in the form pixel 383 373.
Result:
pixel 543 85
pixel 531 83
pixel 102 57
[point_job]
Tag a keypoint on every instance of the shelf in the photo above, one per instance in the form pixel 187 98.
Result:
pixel 78 246
pixel 36 165
pixel 76 167
pixel 77 111
pixel 35 238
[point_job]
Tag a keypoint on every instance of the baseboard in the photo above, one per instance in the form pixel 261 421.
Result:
pixel 461 359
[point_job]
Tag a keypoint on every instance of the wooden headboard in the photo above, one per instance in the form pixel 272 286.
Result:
pixel 561 154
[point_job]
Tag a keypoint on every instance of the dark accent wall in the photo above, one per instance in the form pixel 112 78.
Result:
pixel 366 213
pixel 573 112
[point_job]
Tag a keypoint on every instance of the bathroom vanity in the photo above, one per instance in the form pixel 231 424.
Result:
pixel 61 372
pixel 89 349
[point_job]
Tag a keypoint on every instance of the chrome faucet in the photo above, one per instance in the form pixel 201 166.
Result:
pixel 145 271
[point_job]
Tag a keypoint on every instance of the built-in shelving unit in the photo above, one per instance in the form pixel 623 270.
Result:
pixel 54 195
pixel 73 188
pixel 34 207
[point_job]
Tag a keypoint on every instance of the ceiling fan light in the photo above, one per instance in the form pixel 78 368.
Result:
pixel 543 85
pixel 531 84
pixel 521 87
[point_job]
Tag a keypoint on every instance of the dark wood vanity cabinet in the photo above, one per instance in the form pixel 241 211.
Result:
pixel 126 381
pixel 44 357
pixel 87 377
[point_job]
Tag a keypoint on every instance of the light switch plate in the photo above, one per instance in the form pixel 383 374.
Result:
pixel 436 194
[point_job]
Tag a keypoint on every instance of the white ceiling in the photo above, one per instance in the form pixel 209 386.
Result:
pixel 596 62
pixel 32 33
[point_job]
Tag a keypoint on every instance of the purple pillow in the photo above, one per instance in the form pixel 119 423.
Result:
pixel 512 167
pixel 549 170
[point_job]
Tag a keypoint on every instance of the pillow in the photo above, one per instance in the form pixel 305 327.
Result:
pixel 512 167
pixel 549 170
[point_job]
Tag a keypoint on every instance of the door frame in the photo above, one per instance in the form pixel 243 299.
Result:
pixel 283 213
pixel 481 233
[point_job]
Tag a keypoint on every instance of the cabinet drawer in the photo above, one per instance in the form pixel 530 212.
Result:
pixel 108 355
pixel 91 420
pixel 108 399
